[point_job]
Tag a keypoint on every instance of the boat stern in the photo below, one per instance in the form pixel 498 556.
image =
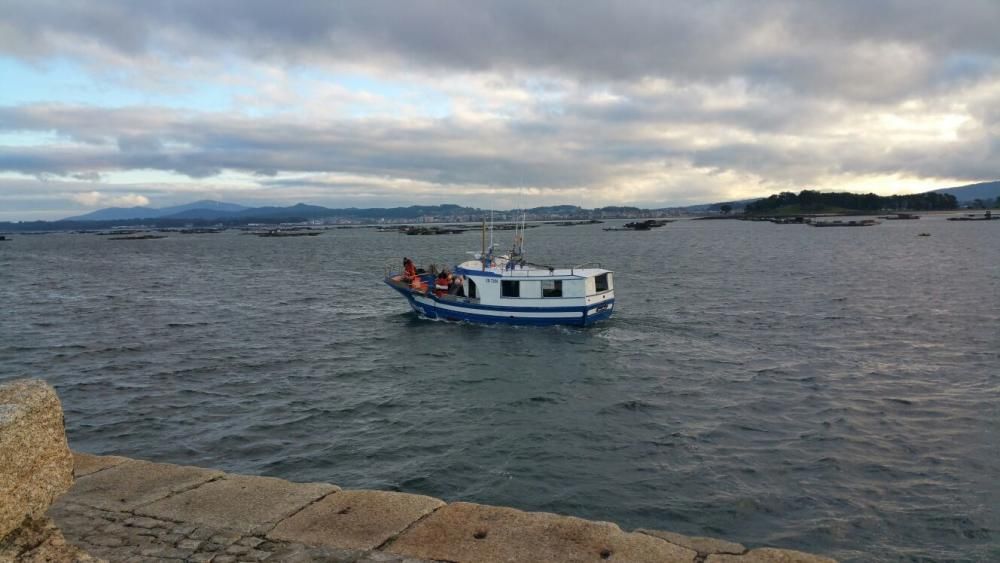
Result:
pixel 600 312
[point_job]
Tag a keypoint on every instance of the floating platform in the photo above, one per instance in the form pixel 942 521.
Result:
pixel 138 237
pixel 853 223
pixel 987 217
pixel 289 233
pixel 647 225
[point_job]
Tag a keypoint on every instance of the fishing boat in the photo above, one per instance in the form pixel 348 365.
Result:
pixel 507 289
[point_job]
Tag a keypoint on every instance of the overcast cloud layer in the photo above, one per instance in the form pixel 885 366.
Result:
pixel 490 102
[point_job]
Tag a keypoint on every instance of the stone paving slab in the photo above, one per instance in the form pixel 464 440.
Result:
pixel 355 519
pixel 471 532
pixel 704 546
pixel 128 485
pixel 123 537
pixel 244 503
pixel 204 516
pixel 85 464
pixel 769 555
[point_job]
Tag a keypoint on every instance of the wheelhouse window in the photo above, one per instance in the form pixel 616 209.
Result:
pixel 601 283
pixel 551 288
pixel 510 288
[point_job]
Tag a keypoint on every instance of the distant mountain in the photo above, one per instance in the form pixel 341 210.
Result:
pixel 203 205
pixel 205 209
pixel 964 194
pixel 299 211
pixel 200 213
pixel 115 214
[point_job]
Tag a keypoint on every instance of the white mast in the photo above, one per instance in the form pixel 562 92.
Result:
pixel 524 215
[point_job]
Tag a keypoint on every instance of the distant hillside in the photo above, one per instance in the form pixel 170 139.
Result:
pixel 735 206
pixel 203 205
pixel 965 194
pixel 554 209
pixel 205 209
pixel 810 201
pixel 116 214
pixel 229 213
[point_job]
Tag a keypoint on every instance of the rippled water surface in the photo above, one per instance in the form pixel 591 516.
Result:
pixel 833 390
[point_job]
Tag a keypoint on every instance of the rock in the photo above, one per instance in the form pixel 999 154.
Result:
pixel 40 541
pixel 355 519
pixel 251 541
pixel 704 546
pixel 471 532
pixel 770 555
pixel 36 465
pixel 147 523
pixel 193 545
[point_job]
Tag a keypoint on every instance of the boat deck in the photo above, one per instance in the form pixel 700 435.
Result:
pixel 398 283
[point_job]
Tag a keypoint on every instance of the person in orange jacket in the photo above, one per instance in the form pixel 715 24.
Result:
pixel 409 270
pixel 441 284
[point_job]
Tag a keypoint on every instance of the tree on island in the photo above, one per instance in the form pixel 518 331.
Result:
pixel 811 201
pixel 725 208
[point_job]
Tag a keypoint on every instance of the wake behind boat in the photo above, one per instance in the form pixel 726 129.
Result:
pixel 508 289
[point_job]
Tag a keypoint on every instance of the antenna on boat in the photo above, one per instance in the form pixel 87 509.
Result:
pixel 482 255
pixel 518 250
pixel 524 220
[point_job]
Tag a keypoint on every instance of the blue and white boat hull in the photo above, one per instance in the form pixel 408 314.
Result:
pixel 460 309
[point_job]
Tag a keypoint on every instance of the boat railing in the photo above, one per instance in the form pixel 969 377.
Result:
pixel 540 273
pixel 537 270
pixel 390 268
pixel 585 265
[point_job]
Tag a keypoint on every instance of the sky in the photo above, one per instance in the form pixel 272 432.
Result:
pixel 489 103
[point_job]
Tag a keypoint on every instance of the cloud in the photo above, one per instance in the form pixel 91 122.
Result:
pixel 98 199
pixel 858 49
pixel 87 176
pixel 586 102
pixel 592 138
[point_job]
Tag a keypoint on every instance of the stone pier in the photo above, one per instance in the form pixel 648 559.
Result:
pixel 121 509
